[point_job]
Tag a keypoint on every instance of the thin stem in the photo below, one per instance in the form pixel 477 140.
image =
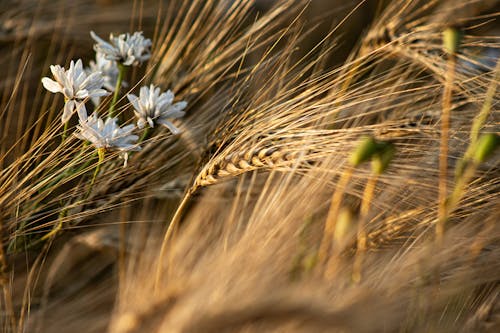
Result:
pixel 121 74
pixel 100 153
pixel 58 227
pixel 64 133
pixel 333 213
pixel 443 149
pixel 144 135
pixel 361 242
pixel 486 108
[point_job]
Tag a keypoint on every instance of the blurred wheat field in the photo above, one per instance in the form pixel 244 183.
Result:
pixel 261 215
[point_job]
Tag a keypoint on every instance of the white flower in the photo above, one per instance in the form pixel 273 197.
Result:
pixel 126 49
pixel 76 86
pixel 152 107
pixel 109 71
pixel 108 134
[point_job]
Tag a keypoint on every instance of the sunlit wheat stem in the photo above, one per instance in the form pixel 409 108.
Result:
pixel 333 213
pixel 361 234
pixel 443 148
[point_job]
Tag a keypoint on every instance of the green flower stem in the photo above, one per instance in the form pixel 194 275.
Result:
pixel 121 73
pixel 486 109
pixel 100 153
pixel 65 132
pixel 57 227
pixel 144 135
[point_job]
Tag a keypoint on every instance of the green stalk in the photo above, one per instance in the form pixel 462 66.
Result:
pixel 62 214
pixel 121 74
pixel 100 153
pixel 144 135
pixel 486 109
pixel 64 133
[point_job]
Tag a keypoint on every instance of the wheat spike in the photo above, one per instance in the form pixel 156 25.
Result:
pixel 237 163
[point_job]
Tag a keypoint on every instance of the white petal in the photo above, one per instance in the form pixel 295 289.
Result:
pixel 172 114
pixel 150 122
pixel 128 128
pixel 169 125
pixel 78 67
pixel 58 72
pixel 134 101
pixel 81 94
pixel 144 93
pixel 51 85
pixel 82 111
pixel 180 105
pixel 68 111
pixel 97 38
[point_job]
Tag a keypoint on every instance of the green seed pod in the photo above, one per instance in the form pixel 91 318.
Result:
pixel 485 147
pixel 364 152
pixel 383 157
pixel 451 40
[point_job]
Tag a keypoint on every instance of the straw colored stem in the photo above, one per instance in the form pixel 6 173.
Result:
pixel 443 149
pixel 333 213
pixel 361 243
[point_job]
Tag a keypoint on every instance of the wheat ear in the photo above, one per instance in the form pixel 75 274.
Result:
pixel 237 163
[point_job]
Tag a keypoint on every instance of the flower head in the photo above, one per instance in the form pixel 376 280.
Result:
pixel 129 50
pixel 152 107
pixel 108 135
pixel 109 71
pixel 76 86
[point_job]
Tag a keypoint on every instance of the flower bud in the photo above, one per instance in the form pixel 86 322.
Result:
pixel 485 147
pixel 364 152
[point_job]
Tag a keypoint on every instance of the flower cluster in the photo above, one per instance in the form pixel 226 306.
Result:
pixel 105 76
